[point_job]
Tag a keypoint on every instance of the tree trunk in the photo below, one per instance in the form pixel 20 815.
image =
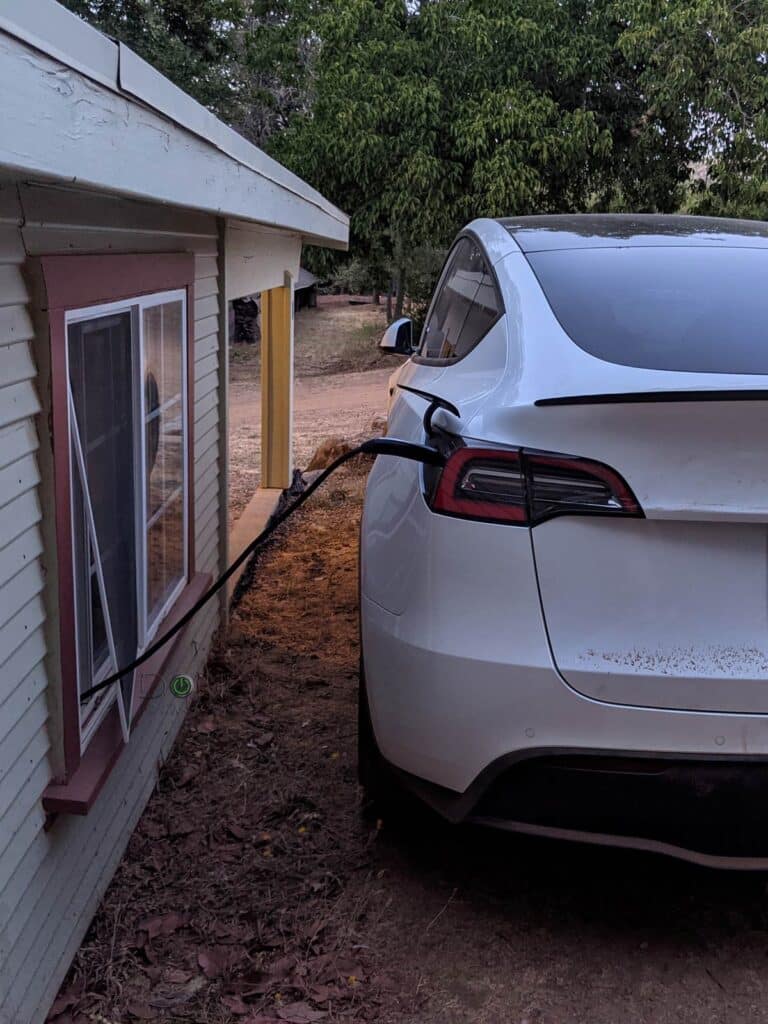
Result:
pixel 400 292
pixel 389 303
pixel 377 298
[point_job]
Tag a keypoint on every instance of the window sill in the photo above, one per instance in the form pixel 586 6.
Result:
pixel 78 794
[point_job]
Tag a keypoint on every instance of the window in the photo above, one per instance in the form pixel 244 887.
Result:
pixel 465 307
pixel 127 401
pixel 692 308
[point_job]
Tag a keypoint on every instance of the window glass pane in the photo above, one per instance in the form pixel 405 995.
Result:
pixel 164 449
pixel 163 340
pixel 155 566
pixel 164 452
pixel 173 341
pixel 175 543
pixel 466 306
pixel 101 381
pixel 690 308
pixel 165 555
pixel 482 314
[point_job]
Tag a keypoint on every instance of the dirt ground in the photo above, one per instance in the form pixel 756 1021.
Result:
pixel 332 338
pixel 342 404
pixel 340 386
pixel 254 890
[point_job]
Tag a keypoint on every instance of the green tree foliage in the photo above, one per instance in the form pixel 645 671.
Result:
pixel 198 44
pixel 705 62
pixel 416 116
pixel 426 115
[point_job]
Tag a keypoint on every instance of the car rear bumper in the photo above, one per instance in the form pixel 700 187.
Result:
pixel 712 813
pixel 442 710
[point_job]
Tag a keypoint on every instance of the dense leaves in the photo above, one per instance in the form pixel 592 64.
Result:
pixel 416 116
pixel 705 65
pixel 196 43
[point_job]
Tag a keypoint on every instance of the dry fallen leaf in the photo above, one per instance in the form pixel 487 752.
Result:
pixel 235 1005
pixel 300 1013
pixel 141 1010
pixel 64 1002
pixel 219 959
pixel 188 772
pixel 163 924
pixel 176 976
pixel 168 996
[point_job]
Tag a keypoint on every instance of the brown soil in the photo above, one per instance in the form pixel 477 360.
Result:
pixel 254 890
pixel 343 404
pixel 341 381
pixel 333 338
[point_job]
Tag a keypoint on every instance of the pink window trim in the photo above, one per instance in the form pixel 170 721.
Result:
pixel 78 794
pixel 76 282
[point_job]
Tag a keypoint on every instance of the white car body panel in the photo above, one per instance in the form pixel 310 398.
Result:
pixel 646 635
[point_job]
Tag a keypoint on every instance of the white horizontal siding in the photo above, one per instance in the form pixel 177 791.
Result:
pixel 206 373
pixel 207 494
pixel 28 620
pixel 23 706
pixel 51 881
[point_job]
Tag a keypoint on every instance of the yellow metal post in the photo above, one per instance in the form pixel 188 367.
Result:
pixel 276 385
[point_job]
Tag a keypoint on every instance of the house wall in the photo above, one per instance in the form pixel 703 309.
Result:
pixel 51 879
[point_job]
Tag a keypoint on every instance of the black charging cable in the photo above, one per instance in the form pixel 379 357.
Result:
pixel 375 446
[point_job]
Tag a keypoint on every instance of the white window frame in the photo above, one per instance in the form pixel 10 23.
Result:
pixel 92 713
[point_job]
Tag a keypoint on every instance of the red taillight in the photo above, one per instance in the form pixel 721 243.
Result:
pixel 528 487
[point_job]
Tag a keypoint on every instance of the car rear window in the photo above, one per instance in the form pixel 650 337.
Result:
pixel 696 309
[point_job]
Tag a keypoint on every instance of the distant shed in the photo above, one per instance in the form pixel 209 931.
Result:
pixel 305 290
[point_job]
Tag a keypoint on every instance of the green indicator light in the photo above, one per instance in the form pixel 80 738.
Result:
pixel 182 686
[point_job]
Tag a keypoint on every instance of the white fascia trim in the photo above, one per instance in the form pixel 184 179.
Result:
pixel 140 79
pixel 52 30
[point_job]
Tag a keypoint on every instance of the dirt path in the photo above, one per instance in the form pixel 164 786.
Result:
pixel 341 404
pixel 290 906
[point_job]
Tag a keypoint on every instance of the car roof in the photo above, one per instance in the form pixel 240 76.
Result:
pixel 614 230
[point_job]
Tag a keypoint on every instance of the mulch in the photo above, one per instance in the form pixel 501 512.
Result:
pixel 246 891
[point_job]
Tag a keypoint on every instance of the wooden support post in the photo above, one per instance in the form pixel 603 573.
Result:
pixel 277 385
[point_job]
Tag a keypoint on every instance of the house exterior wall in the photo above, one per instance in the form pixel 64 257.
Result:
pixel 52 878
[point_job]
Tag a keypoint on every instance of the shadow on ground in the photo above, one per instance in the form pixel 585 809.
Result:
pixel 255 890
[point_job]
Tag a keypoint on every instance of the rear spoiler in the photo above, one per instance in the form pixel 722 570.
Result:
pixel 637 397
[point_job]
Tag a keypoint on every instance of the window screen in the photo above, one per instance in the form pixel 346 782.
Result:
pixel 465 307
pixel 128 437
pixel 101 368
pixel 695 309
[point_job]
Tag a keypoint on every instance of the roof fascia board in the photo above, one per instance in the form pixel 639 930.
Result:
pixel 67 38
pixel 138 78
pixel 62 125
pixel 57 33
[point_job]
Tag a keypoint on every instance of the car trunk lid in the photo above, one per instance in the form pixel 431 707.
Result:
pixel 669 610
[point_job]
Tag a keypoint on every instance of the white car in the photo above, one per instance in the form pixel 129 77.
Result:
pixel 565 629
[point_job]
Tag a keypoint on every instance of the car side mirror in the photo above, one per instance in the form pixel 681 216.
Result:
pixel 398 337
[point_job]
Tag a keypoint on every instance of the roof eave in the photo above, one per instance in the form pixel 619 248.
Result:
pixel 86 111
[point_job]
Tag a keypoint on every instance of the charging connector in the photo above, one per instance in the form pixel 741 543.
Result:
pixel 374 446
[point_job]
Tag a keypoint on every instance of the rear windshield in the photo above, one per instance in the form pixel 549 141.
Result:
pixel 668 308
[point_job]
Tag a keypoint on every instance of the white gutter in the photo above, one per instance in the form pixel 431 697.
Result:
pixel 51 29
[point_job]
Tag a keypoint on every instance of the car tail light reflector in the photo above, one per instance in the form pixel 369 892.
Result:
pixel 526 487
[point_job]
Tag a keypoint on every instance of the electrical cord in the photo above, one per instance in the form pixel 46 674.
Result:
pixel 374 446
